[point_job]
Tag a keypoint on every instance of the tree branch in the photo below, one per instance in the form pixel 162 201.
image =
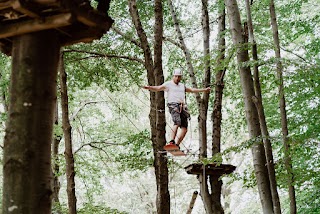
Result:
pixel 135 42
pixel 95 143
pixel 108 56
pixel 173 42
pixel 289 51
pixel 83 105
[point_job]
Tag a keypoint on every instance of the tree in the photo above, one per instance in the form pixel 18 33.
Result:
pixel 27 156
pixel 70 172
pixel 157 117
pixel 262 119
pixel 203 101
pixel 282 105
pixel 239 40
pixel 55 157
pixel 215 181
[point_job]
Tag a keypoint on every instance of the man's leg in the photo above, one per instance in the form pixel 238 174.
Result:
pixel 183 128
pixel 174 132
pixel 182 134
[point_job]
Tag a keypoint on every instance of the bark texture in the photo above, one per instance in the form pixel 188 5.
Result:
pixel 258 153
pixel 27 143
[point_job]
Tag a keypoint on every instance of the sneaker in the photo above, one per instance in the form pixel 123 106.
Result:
pixel 172 142
pixel 177 146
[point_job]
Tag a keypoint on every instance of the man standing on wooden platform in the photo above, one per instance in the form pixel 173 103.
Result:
pixel 176 102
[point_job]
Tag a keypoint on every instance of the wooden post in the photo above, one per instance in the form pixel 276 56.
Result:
pixel 193 200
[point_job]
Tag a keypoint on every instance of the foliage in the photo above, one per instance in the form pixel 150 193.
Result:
pixel 87 208
pixel 136 154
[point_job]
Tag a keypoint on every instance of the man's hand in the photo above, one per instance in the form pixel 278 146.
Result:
pixel 207 89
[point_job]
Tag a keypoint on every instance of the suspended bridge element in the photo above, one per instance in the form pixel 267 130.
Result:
pixel 210 169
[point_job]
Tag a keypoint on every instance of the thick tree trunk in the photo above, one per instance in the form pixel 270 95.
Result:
pixel 283 112
pixel 258 153
pixel 262 119
pixel 27 143
pixel 216 183
pixel 156 116
pixel 70 173
pixel 203 109
pixel 163 197
pixel 203 103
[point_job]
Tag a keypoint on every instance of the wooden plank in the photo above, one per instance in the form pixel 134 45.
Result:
pixel 81 35
pixel 5 4
pixel 210 169
pixel 47 2
pixel 170 147
pixel 177 153
pixel 18 6
pixel 34 25
pixel 174 150
pixel 92 18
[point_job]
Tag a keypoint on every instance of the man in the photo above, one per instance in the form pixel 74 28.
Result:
pixel 176 104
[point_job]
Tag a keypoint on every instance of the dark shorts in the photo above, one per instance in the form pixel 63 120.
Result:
pixel 178 118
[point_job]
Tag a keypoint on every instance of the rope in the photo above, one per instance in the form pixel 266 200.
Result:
pixel 123 112
pixel 175 171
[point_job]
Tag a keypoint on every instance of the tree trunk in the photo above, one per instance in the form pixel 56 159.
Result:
pixel 156 116
pixel 4 97
pixel 283 112
pixel 27 143
pixel 216 183
pixel 203 109
pixel 70 173
pixel 163 198
pixel 262 119
pixel 193 200
pixel 201 101
pixel 258 153
pixel 55 152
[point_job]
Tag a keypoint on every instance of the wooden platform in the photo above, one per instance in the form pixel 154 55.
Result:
pixel 174 150
pixel 210 169
pixel 74 20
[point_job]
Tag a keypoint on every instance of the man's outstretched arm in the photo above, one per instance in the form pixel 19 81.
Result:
pixel 155 88
pixel 196 90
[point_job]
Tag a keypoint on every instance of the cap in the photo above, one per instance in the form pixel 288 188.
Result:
pixel 177 72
